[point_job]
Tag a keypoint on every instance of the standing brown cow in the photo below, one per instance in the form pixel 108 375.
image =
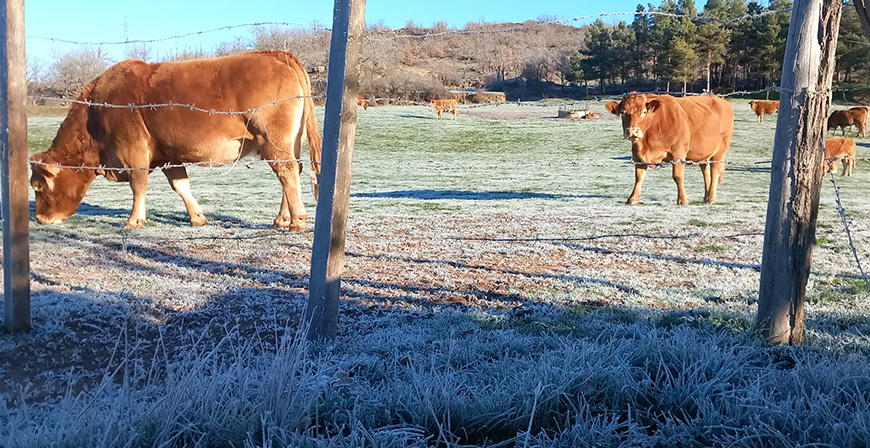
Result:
pixel 842 119
pixel 361 101
pixel 839 148
pixel 662 128
pixel 442 106
pixel 270 88
pixel 764 107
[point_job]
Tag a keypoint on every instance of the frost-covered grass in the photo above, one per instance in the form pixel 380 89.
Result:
pixel 496 289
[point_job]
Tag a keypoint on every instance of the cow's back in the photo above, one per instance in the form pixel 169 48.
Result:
pixel 710 121
pixel 226 86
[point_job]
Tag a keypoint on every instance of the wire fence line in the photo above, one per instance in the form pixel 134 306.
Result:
pixel 842 211
pixel 371 37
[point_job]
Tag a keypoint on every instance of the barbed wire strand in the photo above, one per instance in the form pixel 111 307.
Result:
pixel 601 15
pixel 842 211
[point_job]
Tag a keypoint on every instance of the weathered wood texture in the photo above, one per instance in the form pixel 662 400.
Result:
pixel 339 130
pixel 796 171
pixel 13 171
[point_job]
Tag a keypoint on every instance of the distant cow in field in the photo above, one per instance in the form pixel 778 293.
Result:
pixel 856 116
pixel 361 101
pixel 442 106
pixel 764 107
pixel 126 144
pixel 663 128
pixel 839 148
pixel 590 116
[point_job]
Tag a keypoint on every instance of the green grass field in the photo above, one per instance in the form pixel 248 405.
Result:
pixel 502 234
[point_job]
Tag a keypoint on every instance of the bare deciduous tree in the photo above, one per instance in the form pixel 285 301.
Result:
pixel 72 70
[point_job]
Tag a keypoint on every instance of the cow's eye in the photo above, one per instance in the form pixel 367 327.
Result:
pixel 643 114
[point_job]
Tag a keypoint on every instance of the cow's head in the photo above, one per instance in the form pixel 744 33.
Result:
pixel 752 105
pixel 59 191
pixel 636 111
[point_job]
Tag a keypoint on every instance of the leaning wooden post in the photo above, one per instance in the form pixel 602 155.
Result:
pixel 796 171
pixel 339 129
pixel 863 9
pixel 13 167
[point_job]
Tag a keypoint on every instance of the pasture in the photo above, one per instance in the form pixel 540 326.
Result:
pixel 496 289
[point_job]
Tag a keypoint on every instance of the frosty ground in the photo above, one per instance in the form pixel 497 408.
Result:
pixel 496 290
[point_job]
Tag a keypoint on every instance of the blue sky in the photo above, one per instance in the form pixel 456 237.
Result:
pixel 103 20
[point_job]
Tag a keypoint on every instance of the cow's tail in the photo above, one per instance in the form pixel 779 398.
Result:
pixel 315 143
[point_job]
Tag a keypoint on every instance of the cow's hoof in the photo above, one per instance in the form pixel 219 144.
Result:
pixel 135 223
pixel 682 202
pixel 632 201
pixel 299 224
pixel 198 220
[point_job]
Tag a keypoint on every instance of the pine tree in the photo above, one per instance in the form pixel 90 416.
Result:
pixel 622 39
pixel 683 61
pixel 665 29
pixel 599 51
pixel 641 53
pixel 853 52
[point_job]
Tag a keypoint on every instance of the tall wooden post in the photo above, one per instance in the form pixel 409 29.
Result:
pixel 13 167
pixel 796 172
pixel 863 8
pixel 339 130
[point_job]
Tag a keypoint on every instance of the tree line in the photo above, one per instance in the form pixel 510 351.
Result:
pixel 728 45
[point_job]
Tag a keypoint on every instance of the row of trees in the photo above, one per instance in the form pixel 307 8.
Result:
pixel 717 48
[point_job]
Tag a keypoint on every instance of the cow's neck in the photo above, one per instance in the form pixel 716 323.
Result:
pixel 78 146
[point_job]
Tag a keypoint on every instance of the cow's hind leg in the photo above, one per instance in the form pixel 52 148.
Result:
pixel 179 181
pixel 139 185
pixel 283 147
pixel 706 171
pixel 679 171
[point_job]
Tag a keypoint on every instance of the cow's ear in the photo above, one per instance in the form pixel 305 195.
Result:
pixel 653 105
pixel 44 164
pixel 613 107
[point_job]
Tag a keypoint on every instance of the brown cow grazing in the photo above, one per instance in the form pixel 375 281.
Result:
pixel 764 107
pixel 361 101
pixel 442 106
pixel 839 148
pixel 662 128
pixel 270 88
pixel 856 116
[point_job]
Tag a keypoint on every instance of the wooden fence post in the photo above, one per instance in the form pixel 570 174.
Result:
pixel 13 167
pixel 339 130
pixel 863 8
pixel 796 171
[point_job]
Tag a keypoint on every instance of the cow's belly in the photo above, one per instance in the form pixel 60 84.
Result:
pixel 218 152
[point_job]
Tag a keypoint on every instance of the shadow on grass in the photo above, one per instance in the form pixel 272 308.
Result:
pixel 469 195
pixel 173 218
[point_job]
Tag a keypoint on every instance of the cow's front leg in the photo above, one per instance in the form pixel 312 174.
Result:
pixel 679 171
pixel 717 171
pixel 639 173
pixel 139 185
pixel 179 181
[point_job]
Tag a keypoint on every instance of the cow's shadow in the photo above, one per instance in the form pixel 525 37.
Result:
pixel 424 117
pixel 469 195
pixel 171 218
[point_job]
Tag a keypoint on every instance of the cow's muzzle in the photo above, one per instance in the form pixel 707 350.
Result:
pixel 45 220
